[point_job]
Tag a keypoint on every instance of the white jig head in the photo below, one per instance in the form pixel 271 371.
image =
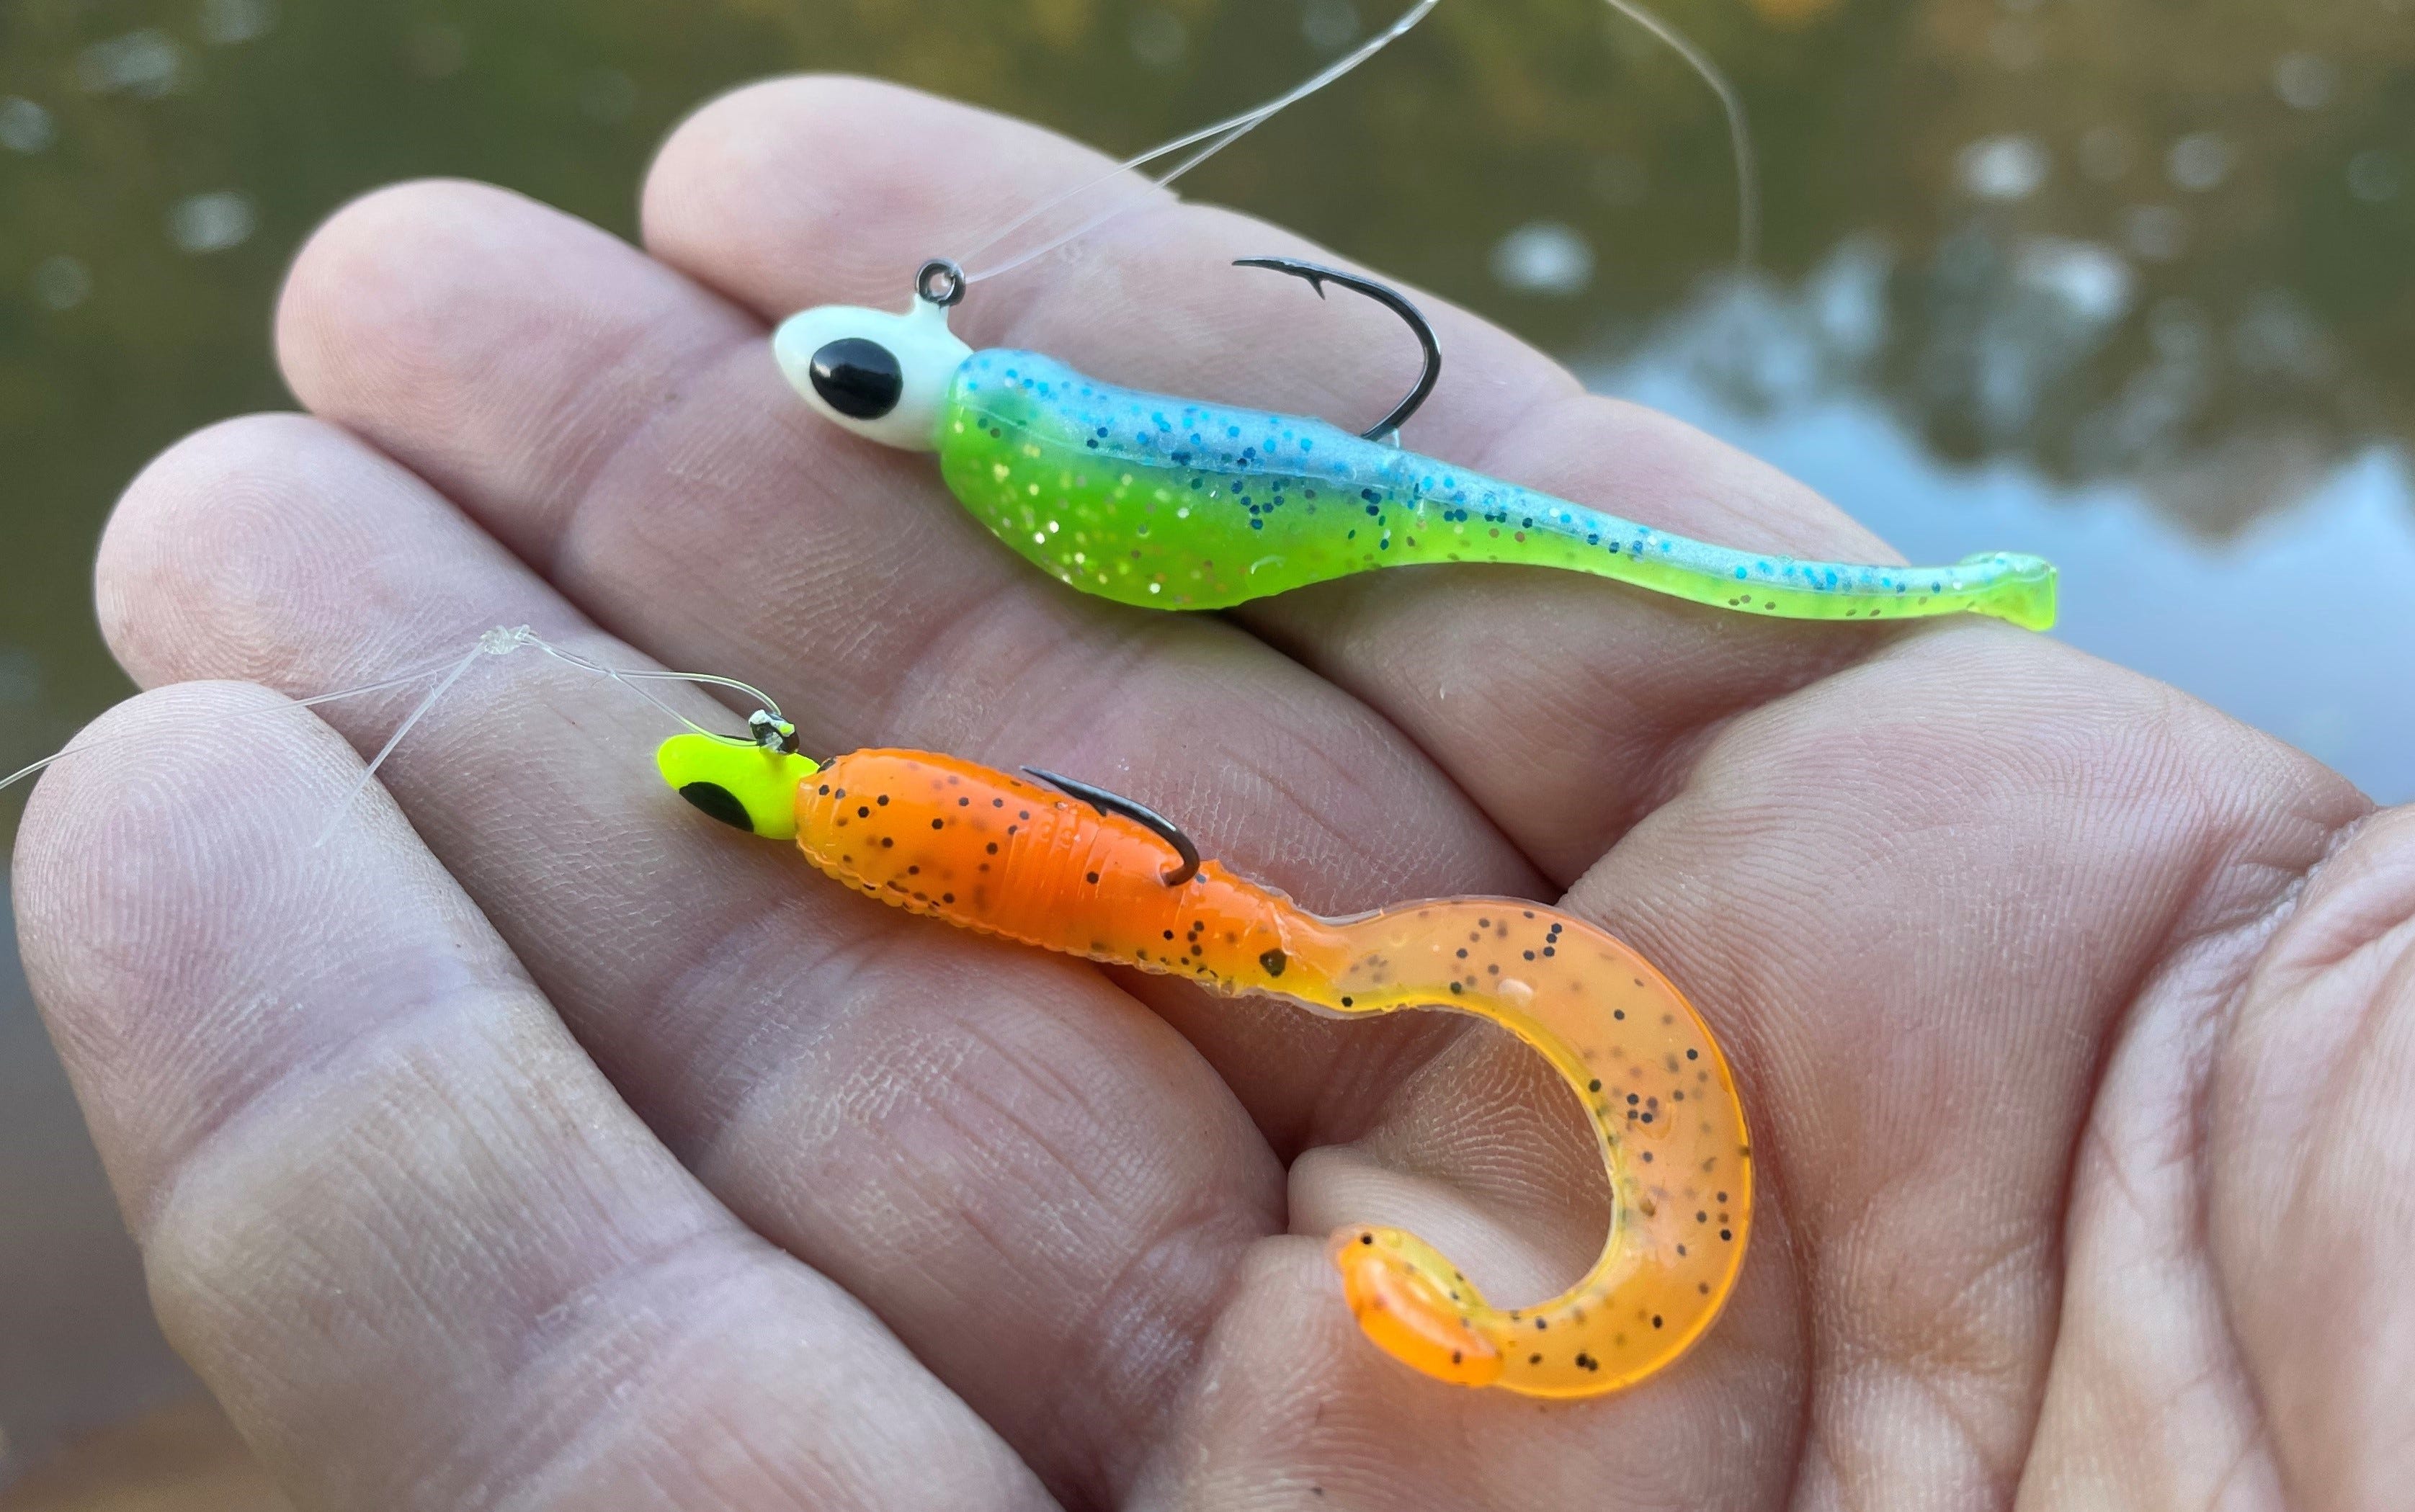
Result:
pixel 880 374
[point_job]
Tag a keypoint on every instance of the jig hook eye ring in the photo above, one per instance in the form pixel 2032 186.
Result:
pixel 940 282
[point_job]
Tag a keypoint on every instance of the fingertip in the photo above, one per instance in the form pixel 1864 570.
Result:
pixel 173 794
pixel 172 832
pixel 369 288
pixel 208 531
pixel 502 350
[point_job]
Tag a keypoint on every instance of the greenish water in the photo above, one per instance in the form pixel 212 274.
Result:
pixel 2125 283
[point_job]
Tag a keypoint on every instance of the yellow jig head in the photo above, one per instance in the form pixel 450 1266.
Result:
pixel 748 786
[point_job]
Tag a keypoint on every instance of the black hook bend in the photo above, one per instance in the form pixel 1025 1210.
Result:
pixel 1392 299
pixel 1150 819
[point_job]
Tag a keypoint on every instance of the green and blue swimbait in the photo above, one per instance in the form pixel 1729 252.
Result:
pixel 1171 503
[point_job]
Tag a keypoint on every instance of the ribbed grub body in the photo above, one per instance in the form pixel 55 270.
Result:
pixel 934 835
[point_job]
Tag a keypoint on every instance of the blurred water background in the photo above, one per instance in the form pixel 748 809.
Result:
pixel 2125 283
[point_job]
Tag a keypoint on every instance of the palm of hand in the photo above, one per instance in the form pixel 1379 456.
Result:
pixel 566 1152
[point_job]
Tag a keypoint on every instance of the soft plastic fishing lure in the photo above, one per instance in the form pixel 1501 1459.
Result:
pixel 1082 871
pixel 1173 503
pixel 1169 502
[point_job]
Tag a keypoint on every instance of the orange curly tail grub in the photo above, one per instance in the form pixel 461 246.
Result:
pixel 986 851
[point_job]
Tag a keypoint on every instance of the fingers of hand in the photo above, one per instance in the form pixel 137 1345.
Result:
pixel 2309 1163
pixel 728 529
pixel 995 1150
pixel 390 1211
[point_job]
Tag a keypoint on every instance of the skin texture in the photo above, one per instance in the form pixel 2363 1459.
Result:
pixel 1168 503
pixel 536 1143
pixel 954 840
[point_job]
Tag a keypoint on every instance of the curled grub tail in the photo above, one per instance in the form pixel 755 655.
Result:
pixel 1661 1102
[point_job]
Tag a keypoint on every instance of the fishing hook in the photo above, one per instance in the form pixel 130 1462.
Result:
pixel 1150 819
pixel 1317 276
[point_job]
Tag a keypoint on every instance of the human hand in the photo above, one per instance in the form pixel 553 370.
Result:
pixel 536 1142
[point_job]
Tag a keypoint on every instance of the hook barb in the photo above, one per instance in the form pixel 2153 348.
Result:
pixel 1317 276
pixel 1150 819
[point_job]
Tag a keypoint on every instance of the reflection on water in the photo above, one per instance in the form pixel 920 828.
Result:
pixel 2122 283
pixel 2265 572
pixel 2300 623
